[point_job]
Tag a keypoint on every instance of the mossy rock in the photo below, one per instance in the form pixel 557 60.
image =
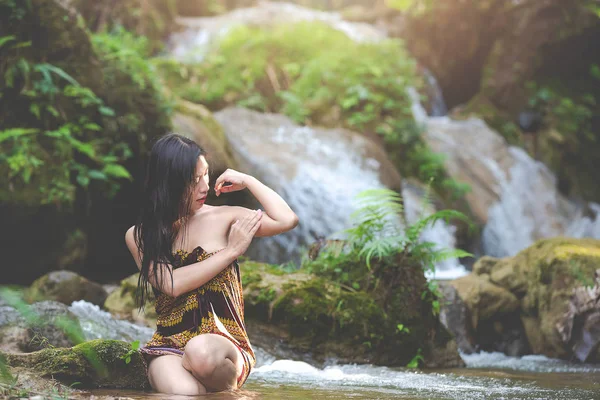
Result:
pixel 121 303
pixel 95 364
pixel 542 278
pixel 316 315
pixel 484 299
pixel 65 287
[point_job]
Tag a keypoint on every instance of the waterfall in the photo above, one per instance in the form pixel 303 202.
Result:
pixel 514 195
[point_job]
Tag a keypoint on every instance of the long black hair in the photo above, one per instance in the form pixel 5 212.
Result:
pixel 166 204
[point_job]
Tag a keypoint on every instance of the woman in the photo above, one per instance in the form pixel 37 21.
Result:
pixel 188 251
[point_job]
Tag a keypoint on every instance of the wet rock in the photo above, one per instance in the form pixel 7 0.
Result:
pixel 484 299
pixel 509 190
pixel 456 317
pixel 579 326
pixel 43 324
pixel 485 265
pixel 12 329
pixel 65 287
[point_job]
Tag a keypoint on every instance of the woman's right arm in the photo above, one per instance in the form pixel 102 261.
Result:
pixel 194 275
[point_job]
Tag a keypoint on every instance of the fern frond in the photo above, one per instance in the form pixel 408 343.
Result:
pixel 16 132
pixel 381 248
pixel 414 231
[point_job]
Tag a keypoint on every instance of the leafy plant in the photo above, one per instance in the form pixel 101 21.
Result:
pixel 135 345
pixel 381 234
pixel 418 358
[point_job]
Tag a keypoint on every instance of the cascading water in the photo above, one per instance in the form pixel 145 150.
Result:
pixel 521 215
pixel 515 195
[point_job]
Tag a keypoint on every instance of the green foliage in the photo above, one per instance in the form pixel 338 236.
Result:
pixel 569 143
pixel 153 19
pixel 418 358
pixel 570 116
pixel 57 135
pixel 134 83
pixel 377 232
pixel 135 345
pixel 382 255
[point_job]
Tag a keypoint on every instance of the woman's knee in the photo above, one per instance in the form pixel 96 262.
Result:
pixel 200 361
pixel 208 357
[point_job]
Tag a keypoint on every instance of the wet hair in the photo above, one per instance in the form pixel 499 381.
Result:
pixel 166 204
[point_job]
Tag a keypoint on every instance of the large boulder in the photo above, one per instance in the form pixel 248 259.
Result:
pixel 546 298
pixel 313 314
pixel 302 164
pixel 514 197
pixel 65 287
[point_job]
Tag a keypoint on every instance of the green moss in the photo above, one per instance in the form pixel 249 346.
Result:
pixel 306 309
pixel 96 363
pixel 543 277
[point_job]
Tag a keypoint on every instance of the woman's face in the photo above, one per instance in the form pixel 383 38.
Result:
pixel 200 184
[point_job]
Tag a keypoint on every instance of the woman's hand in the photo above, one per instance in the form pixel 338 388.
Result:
pixel 242 231
pixel 236 179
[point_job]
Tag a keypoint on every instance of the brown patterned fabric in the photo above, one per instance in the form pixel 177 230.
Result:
pixel 215 307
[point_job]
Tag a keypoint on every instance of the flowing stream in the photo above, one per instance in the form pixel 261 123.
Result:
pixel 487 376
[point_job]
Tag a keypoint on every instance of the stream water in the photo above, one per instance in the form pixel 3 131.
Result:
pixel 487 376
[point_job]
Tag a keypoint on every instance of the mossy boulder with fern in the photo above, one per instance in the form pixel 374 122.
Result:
pixel 363 299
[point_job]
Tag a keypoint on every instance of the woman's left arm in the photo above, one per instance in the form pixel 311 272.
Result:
pixel 277 218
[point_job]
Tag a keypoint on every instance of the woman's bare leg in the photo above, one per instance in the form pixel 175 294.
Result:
pixel 214 361
pixel 167 375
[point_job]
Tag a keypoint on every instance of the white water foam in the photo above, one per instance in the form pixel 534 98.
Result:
pixel 403 383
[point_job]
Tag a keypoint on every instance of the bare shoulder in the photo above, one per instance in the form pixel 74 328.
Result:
pixel 131 245
pixel 129 236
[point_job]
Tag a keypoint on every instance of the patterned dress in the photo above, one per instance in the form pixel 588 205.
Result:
pixel 215 307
